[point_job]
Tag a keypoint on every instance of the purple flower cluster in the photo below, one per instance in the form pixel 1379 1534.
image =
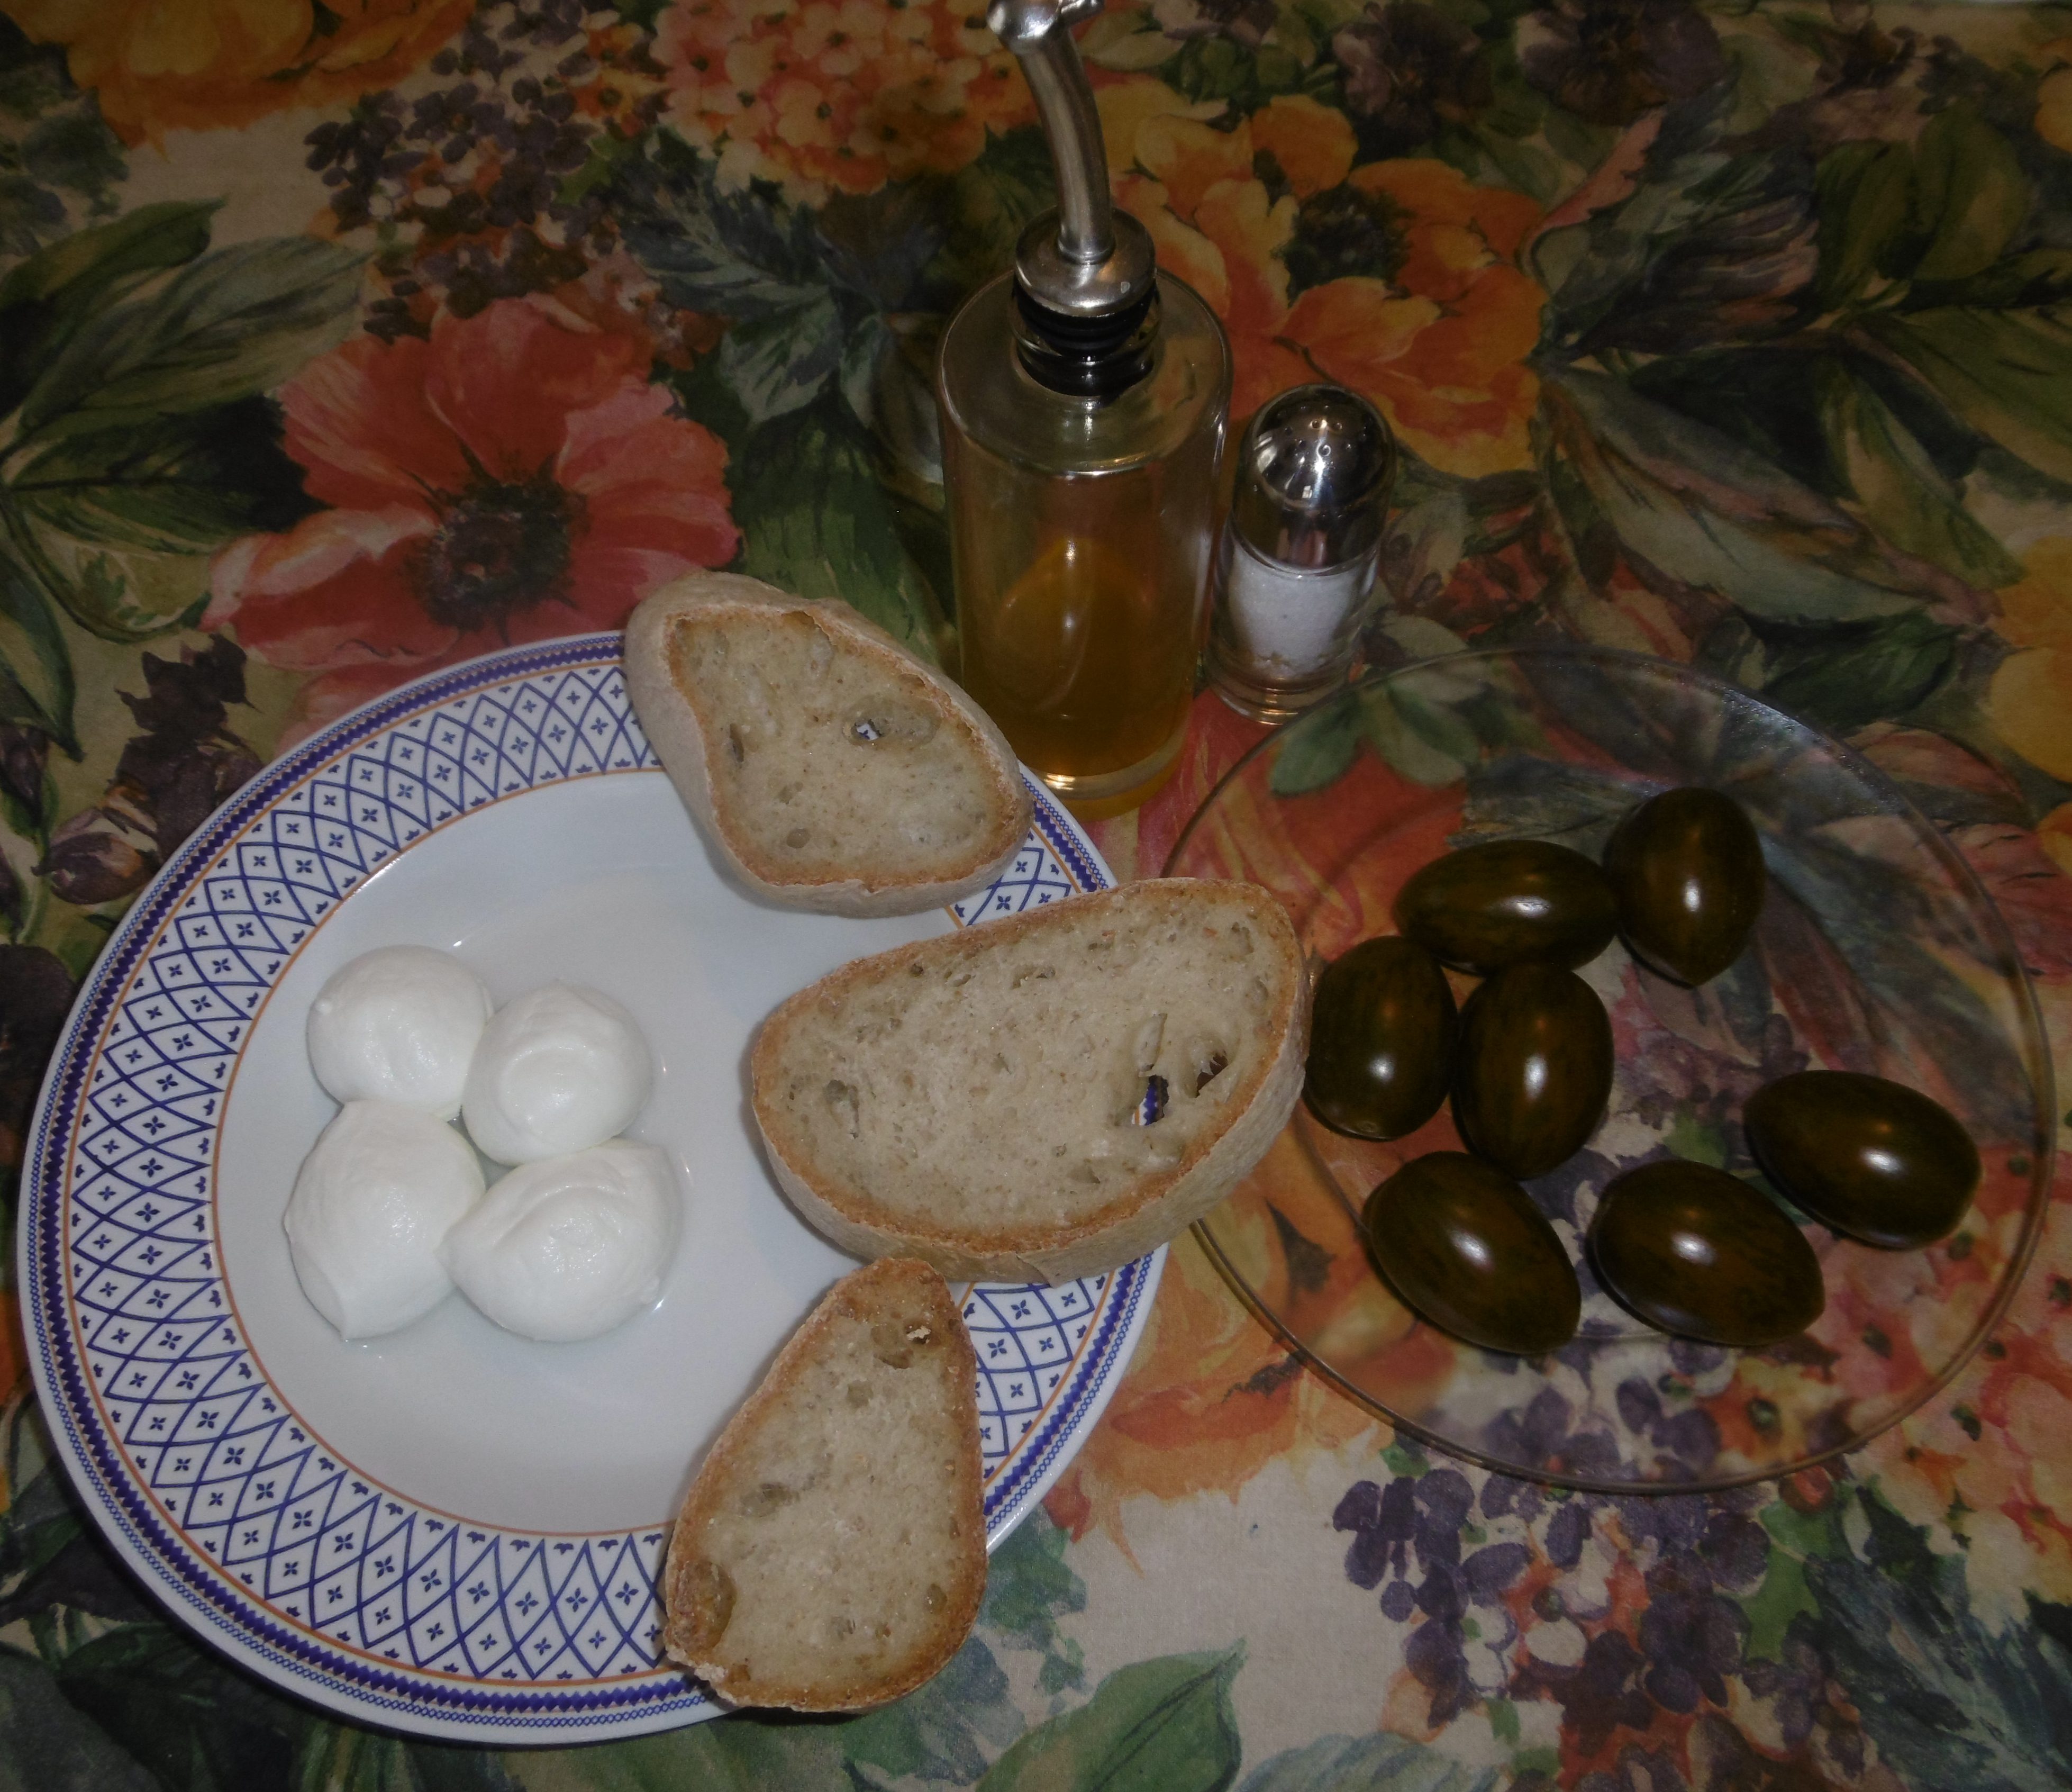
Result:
pixel 477 174
pixel 1450 1562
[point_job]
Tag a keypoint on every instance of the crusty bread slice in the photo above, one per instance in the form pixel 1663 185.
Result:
pixel 831 1553
pixel 833 769
pixel 1041 1096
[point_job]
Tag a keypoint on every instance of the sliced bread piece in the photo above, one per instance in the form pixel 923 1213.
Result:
pixel 1045 1096
pixel 833 769
pixel 831 1553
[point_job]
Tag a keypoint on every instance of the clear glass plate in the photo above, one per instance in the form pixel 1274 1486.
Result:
pixel 1878 950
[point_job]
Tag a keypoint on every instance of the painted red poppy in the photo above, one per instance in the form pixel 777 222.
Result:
pixel 513 479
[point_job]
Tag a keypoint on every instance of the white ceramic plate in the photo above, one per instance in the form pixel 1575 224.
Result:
pixel 452 1531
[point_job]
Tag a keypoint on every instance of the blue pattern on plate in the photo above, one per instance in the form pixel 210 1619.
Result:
pixel 195 1462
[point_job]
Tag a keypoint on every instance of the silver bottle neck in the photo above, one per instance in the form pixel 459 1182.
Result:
pixel 1086 259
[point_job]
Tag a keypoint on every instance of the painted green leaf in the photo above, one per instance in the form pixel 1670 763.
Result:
pixel 1709 247
pixel 2007 373
pixel 1699 509
pixel 1492 157
pixel 1948 1701
pixel 1418 739
pixel 51 1746
pixel 938 1732
pixel 875 246
pixel 814 519
pixel 118 592
pixel 36 680
pixel 2036 277
pixel 1970 196
pixel 1522 796
pixel 1847 889
pixel 340 1758
pixel 734 254
pixel 1379 1763
pixel 117 523
pixel 1901 493
pixel 42 1519
pixel 237 322
pixel 44 299
pixel 1318 752
pixel 744 1752
pixel 1159 1726
pixel 867 344
pixel 58 158
pixel 165 1700
pixel 1029 1586
pixel 778 363
pixel 180 483
pixel 1781 1597
pixel 1863 194
pixel 992 200
pixel 1870 673
pixel 1801 1534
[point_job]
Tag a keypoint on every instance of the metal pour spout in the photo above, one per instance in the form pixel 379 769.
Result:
pixel 1086 259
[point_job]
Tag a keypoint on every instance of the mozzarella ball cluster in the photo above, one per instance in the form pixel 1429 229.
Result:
pixel 391 1211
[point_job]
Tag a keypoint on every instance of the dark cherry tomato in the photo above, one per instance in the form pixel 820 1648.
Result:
pixel 1381 1040
pixel 1508 902
pixel 1693 1250
pixel 1466 1248
pixel 1687 870
pixel 1535 1068
pixel 1871 1159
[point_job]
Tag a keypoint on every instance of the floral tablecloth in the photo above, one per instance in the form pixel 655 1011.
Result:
pixel 341 339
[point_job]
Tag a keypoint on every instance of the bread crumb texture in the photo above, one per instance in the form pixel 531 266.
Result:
pixel 1002 1080
pixel 831 1553
pixel 826 756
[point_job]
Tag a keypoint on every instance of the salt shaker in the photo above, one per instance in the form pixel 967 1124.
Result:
pixel 1296 568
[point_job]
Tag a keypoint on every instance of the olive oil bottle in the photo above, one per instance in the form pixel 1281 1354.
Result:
pixel 1084 397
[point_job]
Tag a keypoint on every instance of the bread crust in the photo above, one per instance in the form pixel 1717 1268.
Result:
pixel 1155 1208
pixel 890 1285
pixel 670 720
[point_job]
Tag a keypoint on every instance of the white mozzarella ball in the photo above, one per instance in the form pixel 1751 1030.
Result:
pixel 398 1024
pixel 372 1204
pixel 560 1069
pixel 569 1247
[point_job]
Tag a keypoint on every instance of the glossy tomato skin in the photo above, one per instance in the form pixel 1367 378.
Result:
pixel 1382 1031
pixel 1687 870
pixel 1464 1247
pixel 1535 1068
pixel 1693 1250
pixel 1509 902
pixel 1870 1159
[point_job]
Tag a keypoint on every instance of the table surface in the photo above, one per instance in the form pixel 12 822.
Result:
pixel 341 342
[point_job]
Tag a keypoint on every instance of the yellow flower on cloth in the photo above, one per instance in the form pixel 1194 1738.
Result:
pixel 160 65
pixel 1435 334
pixel 2054 95
pixel 837 96
pixel 2030 698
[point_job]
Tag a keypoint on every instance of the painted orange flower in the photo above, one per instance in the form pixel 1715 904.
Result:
pixel 210 64
pixel 838 95
pixel 1437 336
pixel 513 479
pixel 1211 1397
pixel 2030 698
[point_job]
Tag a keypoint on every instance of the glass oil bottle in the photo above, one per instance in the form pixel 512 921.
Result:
pixel 1083 396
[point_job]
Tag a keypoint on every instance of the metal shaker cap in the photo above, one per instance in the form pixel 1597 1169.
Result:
pixel 1314 475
